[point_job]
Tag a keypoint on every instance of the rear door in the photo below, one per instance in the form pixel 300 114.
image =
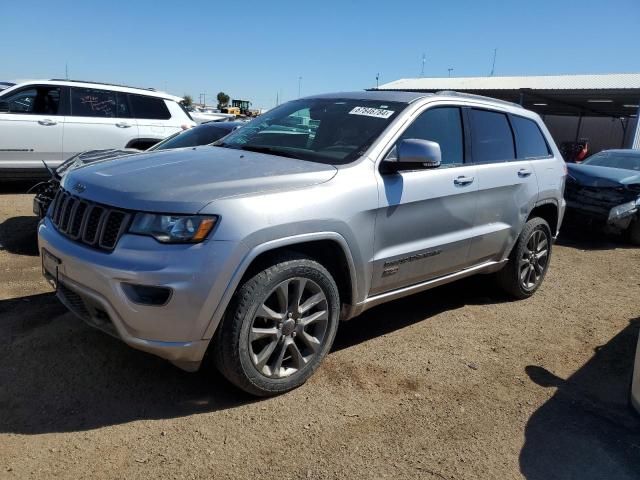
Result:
pixel 99 119
pixel 152 117
pixel 425 221
pixel 507 186
pixel 31 127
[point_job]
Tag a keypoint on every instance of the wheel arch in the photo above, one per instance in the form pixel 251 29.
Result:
pixel 330 249
pixel 549 211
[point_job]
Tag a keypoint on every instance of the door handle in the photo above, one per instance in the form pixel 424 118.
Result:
pixel 123 125
pixel 462 181
pixel 524 172
pixel 47 122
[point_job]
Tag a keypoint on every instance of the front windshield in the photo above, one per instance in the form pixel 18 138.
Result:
pixel 323 130
pixel 626 161
pixel 200 135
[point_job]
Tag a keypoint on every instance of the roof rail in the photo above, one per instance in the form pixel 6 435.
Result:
pixel 102 83
pixel 471 96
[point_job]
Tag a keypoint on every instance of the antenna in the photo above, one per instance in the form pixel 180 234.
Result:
pixel 449 70
pixel 493 66
pixel 424 60
pixel 66 71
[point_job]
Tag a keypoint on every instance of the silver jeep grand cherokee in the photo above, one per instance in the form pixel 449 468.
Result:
pixel 256 247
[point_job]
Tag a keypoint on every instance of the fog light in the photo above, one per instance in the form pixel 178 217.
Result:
pixel 146 295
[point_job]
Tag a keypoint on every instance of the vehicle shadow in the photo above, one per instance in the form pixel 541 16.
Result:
pixel 587 430
pixel 58 374
pixel 19 186
pixel 392 316
pixel 585 237
pixel 19 235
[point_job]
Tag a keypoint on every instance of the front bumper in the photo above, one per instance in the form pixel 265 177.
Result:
pixel 601 215
pixel 90 284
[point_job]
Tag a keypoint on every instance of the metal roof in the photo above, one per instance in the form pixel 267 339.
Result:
pixel 610 81
pixel 611 95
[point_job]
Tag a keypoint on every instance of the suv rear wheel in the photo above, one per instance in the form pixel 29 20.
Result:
pixel 529 260
pixel 279 326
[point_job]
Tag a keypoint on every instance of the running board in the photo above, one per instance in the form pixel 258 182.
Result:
pixel 370 302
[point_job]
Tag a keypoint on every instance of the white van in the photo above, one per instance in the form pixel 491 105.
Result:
pixel 51 120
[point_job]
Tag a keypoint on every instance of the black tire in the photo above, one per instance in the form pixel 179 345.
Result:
pixel 234 353
pixel 510 278
pixel 633 231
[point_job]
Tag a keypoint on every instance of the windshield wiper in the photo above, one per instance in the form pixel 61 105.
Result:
pixel 271 151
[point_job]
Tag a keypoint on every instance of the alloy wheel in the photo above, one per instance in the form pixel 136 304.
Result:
pixel 289 328
pixel 534 259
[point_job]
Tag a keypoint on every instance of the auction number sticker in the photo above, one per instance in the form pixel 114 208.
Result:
pixel 371 112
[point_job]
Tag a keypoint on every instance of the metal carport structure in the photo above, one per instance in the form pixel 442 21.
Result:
pixel 604 106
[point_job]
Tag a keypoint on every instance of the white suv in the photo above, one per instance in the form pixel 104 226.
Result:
pixel 51 120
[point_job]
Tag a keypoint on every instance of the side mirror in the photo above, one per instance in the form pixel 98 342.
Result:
pixel 417 151
pixel 4 106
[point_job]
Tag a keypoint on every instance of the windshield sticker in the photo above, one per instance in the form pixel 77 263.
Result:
pixel 371 112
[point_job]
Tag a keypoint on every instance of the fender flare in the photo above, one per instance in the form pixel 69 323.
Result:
pixel 272 245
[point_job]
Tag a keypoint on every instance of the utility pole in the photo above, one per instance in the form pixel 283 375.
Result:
pixel 424 60
pixel 450 70
pixel 277 98
pixel 66 71
pixel 377 79
pixel 299 85
pixel 493 66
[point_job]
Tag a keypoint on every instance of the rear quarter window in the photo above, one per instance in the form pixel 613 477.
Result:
pixel 151 108
pixel 530 142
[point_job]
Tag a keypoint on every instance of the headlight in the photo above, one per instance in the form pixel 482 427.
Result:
pixel 173 228
pixel 623 210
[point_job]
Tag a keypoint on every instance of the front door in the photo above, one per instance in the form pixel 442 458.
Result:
pixel 31 127
pixel 425 221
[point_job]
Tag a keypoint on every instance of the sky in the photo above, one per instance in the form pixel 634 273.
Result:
pixel 268 50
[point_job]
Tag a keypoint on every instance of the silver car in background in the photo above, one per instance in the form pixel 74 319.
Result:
pixel 255 248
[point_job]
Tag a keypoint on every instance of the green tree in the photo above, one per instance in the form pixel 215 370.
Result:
pixel 187 100
pixel 223 99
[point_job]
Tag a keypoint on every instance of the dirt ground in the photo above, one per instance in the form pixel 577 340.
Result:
pixel 454 383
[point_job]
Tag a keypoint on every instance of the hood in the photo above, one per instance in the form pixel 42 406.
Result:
pixel 185 180
pixel 91 156
pixel 596 176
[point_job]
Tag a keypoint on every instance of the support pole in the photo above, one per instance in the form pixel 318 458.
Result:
pixel 579 127
pixel 636 137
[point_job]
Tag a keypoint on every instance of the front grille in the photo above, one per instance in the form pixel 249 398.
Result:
pixel 92 224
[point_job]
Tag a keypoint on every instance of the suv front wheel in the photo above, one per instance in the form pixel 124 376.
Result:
pixel 528 261
pixel 280 325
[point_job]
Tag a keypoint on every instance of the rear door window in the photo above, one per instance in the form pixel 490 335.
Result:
pixel 151 108
pixel 92 102
pixel 529 139
pixel 492 139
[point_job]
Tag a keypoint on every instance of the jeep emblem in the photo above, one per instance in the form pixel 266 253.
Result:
pixel 78 187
